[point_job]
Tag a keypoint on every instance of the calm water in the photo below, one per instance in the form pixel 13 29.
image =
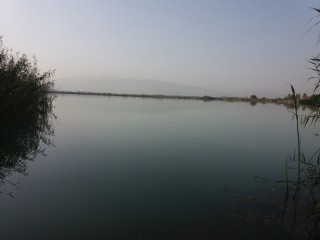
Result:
pixel 124 168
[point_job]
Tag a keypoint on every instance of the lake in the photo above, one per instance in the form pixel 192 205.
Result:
pixel 132 168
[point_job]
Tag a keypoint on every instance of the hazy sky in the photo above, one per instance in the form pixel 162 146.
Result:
pixel 230 46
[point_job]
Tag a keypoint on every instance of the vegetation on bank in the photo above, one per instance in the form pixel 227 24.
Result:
pixel 26 111
pixel 314 116
pixel 253 99
pixel 23 88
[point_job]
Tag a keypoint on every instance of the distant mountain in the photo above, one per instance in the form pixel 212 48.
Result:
pixel 134 87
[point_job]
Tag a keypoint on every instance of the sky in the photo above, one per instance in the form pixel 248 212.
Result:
pixel 234 47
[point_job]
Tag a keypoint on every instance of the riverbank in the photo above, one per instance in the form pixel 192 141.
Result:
pixel 202 98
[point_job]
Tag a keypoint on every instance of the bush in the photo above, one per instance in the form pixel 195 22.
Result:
pixel 22 86
pixel 26 110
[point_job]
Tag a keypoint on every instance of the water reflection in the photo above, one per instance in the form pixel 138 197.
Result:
pixel 24 133
pixel 253 103
pixel 301 198
pixel 153 170
pixel 294 214
pixel 301 206
pixel 296 211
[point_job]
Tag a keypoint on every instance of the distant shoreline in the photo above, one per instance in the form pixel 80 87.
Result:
pixel 163 96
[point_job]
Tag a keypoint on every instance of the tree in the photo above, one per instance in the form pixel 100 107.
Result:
pixel 253 97
pixel 289 97
pixel 304 96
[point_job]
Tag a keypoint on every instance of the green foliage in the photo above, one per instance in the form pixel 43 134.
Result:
pixel 26 111
pixel 22 87
pixel 314 100
pixel 253 97
pixel 289 97
pixel 304 96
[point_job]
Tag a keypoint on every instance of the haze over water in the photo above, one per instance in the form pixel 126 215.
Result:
pixel 234 47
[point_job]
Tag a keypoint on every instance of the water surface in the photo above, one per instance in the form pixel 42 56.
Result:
pixel 128 168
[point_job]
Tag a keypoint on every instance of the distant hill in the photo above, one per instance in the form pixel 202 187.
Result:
pixel 134 87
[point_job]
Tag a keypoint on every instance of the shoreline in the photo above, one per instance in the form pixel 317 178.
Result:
pixel 204 98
